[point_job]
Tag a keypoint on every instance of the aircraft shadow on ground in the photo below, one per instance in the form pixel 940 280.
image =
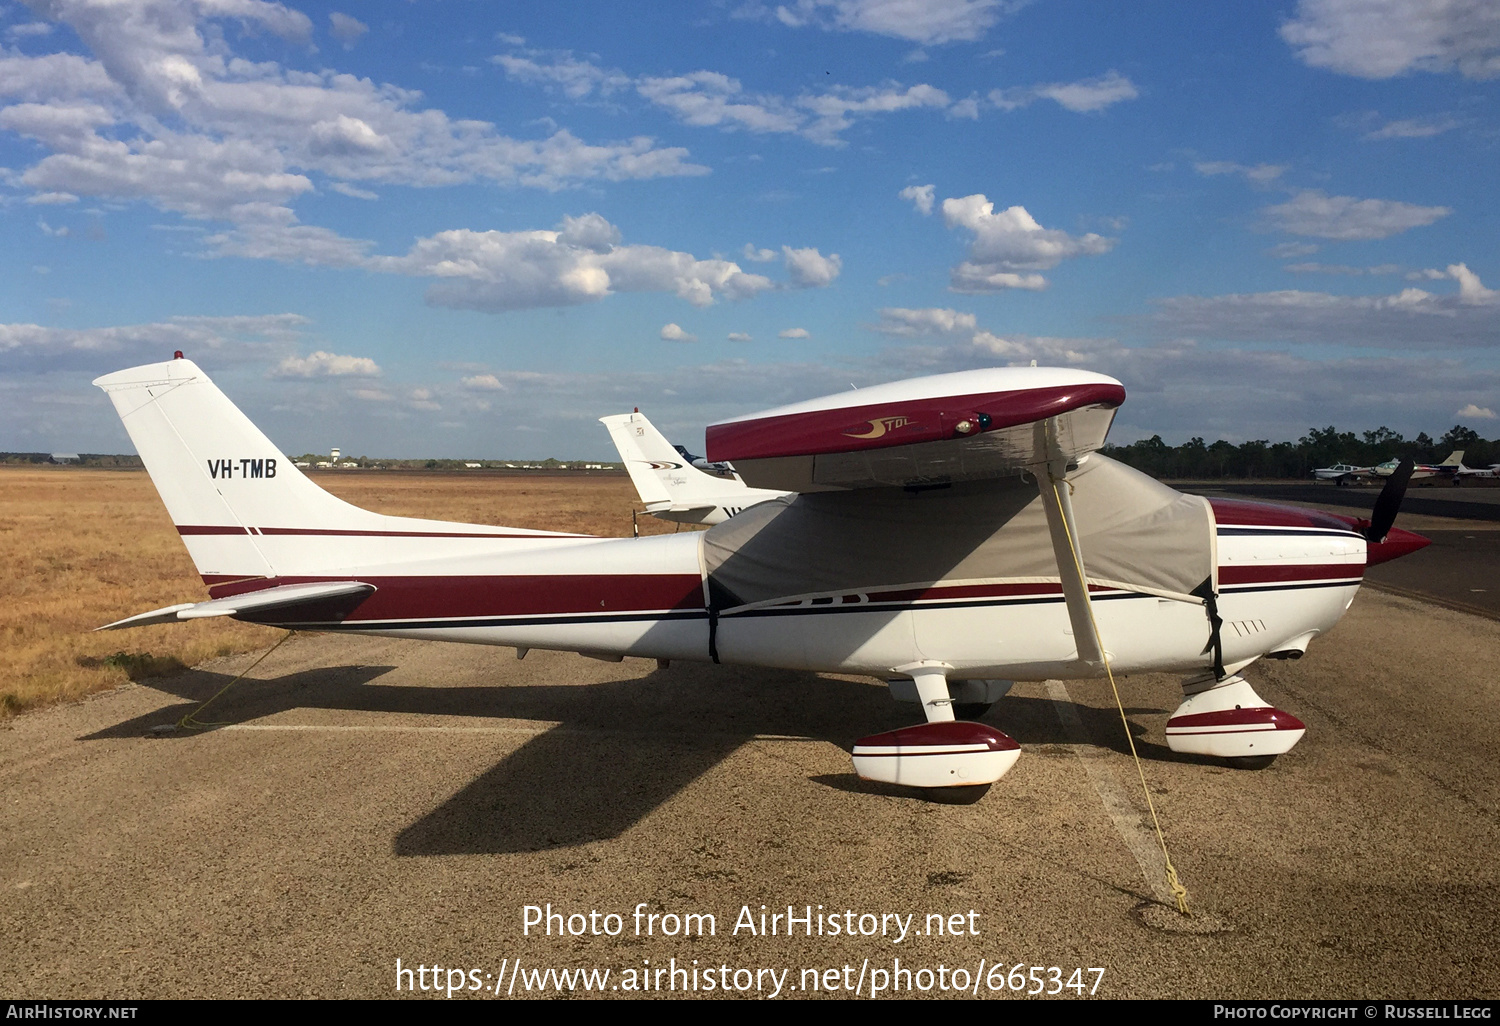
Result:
pixel 621 748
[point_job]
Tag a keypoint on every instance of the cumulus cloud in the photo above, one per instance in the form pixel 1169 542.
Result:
pixel 1378 39
pixel 673 333
pixel 515 270
pixel 28 346
pixel 559 69
pixel 27 29
pixel 483 383
pixel 1086 96
pixel 809 269
pixel 963 340
pixel 760 256
pixel 1258 174
pixel 930 23
pixel 921 197
pixel 1413 318
pixel 1009 247
pixel 326 365
pixel 1471 290
pixel 1312 267
pixel 711 99
pixel 836 110
pixel 164 112
pixel 794 333
pixel 346 29
pixel 905 323
pixel 1478 412
pixel 346 189
pixel 582 260
pixel 739 336
pixel 1413 128
pixel 1315 213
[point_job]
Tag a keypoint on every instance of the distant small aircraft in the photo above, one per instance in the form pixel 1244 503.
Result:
pixel 1343 473
pixel 669 484
pixel 722 469
pixel 1448 468
pixel 935 532
pixel 1490 473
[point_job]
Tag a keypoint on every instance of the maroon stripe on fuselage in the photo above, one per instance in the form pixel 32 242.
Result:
pixel 1260 574
pixel 319 532
pixel 407 598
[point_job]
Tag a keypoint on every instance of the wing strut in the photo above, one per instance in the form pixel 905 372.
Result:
pixel 1057 501
pixel 1053 486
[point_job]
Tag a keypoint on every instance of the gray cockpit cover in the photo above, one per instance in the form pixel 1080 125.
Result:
pixel 1135 533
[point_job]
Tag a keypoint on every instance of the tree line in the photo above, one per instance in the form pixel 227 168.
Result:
pixel 1320 447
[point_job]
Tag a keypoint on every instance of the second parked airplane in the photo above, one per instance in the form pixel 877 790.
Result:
pixel 670 486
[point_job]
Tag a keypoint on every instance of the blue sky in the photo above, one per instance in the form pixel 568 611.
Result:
pixel 470 229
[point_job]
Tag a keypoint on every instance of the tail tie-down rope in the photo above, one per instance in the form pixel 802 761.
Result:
pixel 191 721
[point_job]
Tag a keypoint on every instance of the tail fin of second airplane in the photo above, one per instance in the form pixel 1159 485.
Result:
pixel 659 472
pixel 1455 459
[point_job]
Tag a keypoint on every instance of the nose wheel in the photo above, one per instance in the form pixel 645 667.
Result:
pixel 1226 718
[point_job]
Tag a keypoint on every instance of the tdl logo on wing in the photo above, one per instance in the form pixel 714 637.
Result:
pixel 880 427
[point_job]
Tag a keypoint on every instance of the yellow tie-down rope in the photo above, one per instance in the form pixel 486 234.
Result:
pixel 1178 890
pixel 191 721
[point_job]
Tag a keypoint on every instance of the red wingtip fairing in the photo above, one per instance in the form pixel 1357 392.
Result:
pixel 1397 543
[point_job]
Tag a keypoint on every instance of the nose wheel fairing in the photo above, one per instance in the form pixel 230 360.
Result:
pixel 1229 720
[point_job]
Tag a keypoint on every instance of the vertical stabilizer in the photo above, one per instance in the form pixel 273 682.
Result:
pixel 661 473
pixel 243 509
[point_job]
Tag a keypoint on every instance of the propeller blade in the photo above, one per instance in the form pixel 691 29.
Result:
pixel 1389 503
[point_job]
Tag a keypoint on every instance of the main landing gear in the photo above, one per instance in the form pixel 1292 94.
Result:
pixel 956 760
pixel 1226 718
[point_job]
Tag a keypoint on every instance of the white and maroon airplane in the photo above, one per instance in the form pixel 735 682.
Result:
pixel 950 534
pixel 1449 468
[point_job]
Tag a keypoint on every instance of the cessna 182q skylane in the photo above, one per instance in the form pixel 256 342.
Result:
pixel 944 532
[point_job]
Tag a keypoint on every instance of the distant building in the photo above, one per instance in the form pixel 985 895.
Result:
pixel 474 466
pixel 65 457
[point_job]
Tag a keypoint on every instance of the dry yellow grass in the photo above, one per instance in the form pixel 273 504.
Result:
pixel 85 547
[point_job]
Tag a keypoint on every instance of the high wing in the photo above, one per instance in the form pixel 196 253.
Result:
pixel 952 483
pixel 965 426
pixel 670 486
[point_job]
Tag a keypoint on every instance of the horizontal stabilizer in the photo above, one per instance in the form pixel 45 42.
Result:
pixel 251 601
pixel 966 426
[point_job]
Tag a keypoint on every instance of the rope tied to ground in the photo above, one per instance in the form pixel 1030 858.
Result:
pixel 1179 892
pixel 191 721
